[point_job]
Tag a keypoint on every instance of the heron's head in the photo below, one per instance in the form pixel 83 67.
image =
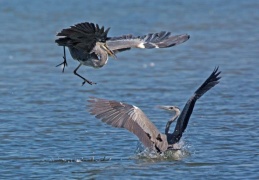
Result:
pixel 106 48
pixel 170 108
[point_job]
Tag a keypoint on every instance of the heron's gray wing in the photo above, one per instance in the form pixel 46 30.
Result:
pixel 162 39
pixel 130 117
pixel 184 117
pixel 82 36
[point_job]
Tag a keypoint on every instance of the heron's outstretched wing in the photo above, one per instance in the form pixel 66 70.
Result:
pixel 184 117
pixel 162 39
pixel 130 117
pixel 82 36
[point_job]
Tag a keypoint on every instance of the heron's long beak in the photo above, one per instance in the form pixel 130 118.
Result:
pixel 163 107
pixel 110 52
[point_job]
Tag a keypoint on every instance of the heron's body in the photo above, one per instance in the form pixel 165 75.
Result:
pixel 122 115
pixel 91 46
pixel 87 59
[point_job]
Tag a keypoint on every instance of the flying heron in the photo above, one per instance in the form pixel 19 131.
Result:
pixel 89 44
pixel 132 118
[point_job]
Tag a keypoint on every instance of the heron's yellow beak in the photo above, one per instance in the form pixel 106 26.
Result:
pixel 110 52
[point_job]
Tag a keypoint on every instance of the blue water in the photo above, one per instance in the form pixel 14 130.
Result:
pixel 46 131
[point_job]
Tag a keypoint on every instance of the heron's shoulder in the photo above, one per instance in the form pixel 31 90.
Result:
pixel 123 37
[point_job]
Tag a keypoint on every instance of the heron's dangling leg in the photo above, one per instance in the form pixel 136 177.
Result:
pixel 65 60
pixel 85 80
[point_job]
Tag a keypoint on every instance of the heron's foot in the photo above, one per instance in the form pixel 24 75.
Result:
pixel 89 82
pixel 64 63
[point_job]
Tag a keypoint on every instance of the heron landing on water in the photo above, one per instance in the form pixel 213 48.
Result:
pixel 90 45
pixel 122 115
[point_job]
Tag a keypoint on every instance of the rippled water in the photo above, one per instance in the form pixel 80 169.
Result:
pixel 46 132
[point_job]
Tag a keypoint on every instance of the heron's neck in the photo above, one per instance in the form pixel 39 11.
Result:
pixel 168 124
pixel 101 53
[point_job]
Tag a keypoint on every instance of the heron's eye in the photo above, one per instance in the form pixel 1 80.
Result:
pixel 171 108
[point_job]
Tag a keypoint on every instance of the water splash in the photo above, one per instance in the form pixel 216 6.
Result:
pixel 172 154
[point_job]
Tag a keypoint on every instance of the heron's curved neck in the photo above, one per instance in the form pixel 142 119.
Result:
pixel 168 124
pixel 101 53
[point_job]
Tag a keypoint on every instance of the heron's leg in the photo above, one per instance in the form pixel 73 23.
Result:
pixel 85 80
pixel 65 60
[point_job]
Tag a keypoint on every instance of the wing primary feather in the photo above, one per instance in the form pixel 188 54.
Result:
pixel 184 117
pixel 126 116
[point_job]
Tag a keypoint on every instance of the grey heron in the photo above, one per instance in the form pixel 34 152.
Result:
pixel 132 118
pixel 90 45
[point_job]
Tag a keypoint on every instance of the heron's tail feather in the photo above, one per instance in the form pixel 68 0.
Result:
pixel 82 36
pixel 85 30
pixel 64 41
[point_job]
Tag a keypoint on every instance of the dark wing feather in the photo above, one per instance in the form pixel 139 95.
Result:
pixel 184 117
pixel 126 116
pixel 162 39
pixel 82 36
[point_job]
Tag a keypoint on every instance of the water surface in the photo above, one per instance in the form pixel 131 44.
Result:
pixel 46 132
